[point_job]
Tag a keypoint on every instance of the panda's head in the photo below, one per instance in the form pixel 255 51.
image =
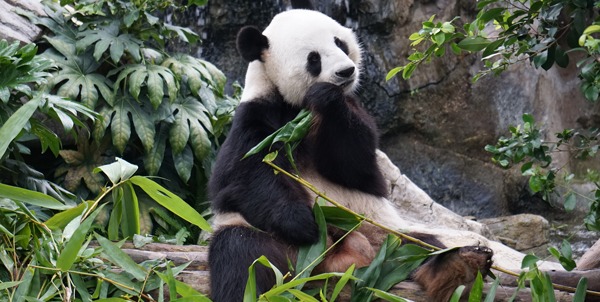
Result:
pixel 298 48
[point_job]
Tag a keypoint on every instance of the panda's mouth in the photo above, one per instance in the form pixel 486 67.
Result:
pixel 346 83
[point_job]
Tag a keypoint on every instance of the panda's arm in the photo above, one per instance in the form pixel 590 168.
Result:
pixel 271 202
pixel 344 140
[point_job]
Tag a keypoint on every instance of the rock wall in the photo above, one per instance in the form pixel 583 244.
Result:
pixel 15 27
pixel 435 125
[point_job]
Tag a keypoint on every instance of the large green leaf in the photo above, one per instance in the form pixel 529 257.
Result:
pixel 120 118
pixel 184 163
pixel 190 118
pixel 154 159
pixel 197 72
pixel 109 36
pixel 77 77
pixel 171 202
pixel 153 77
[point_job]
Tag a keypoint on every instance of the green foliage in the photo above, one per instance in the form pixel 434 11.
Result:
pixel 530 30
pixel 527 148
pixel 25 112
pixel 564 255
pixel 111 57
pixel 53 260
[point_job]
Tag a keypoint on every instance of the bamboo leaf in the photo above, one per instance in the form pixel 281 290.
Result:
pixel 23 288
pixel 69 253
pixel 16 122
pixel 31 197
pixel 477 289
pixel 130 225
pixel 339 286
pixel 457 293
pixel 171 202
pixel 61 219
pixel 309 254
pixel 114 253
pixel 386 296
pixel 580 293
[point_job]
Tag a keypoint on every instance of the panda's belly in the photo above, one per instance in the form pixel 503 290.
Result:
pixel 377 208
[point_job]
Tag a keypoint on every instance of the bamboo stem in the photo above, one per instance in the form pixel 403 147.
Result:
pixel 308 185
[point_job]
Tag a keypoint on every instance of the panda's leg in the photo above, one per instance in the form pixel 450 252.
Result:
pixel 354 248
pixel 232 250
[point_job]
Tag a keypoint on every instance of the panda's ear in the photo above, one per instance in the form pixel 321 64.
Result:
pixel 305 4
pixel 251 43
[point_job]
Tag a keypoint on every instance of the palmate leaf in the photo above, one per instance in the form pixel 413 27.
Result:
pixel 107 36
pixel 77 77
pixel 119 118
pixel 80 164
pixel 191 124
pixel 153 77
pixel 197 72
pixel 153 160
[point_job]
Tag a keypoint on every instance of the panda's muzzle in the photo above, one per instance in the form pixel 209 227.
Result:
pixel 346 73
pixel 345 76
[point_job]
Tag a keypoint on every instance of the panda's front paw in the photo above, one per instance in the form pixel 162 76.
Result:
pixel 324 95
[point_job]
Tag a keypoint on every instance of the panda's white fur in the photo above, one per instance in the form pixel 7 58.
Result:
pixel 284 61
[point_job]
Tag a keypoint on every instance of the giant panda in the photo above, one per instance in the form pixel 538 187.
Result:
pixel 303 59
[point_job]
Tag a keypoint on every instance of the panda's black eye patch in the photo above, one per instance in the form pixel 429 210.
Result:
pixel 341 44
pixel 313 63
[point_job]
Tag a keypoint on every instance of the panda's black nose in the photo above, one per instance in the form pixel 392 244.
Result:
pixel 346 73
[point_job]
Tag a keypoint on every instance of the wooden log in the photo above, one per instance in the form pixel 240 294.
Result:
pixel 591 258
pixel 198 276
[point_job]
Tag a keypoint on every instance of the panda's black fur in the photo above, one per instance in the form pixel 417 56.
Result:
pixel 271 214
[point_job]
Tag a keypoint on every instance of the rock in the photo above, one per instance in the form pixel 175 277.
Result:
pixel 420 213
pixel 16 27
pixel 521 232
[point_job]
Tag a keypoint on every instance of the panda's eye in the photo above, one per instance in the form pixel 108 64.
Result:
pixel 314 57
pixel 313 65
pixel 341 44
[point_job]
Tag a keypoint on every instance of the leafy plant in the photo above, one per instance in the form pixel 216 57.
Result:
pixel 53 260
pixel 527 148
pixel 506 32
pixel 111 57
pixel 26 113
